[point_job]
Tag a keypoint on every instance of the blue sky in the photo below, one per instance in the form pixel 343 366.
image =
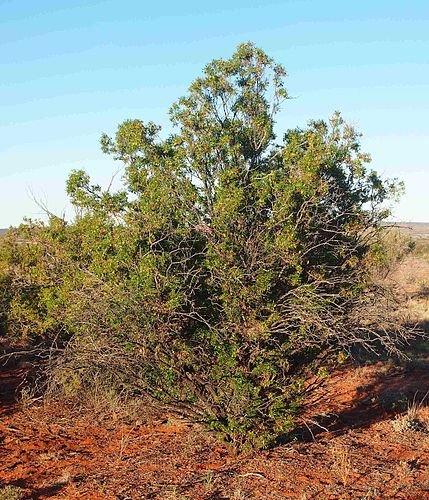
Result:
pixel 70 70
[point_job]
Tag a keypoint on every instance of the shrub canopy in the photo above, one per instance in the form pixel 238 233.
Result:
pixel 228 269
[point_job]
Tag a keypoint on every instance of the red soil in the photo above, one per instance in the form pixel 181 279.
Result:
pixel 54 450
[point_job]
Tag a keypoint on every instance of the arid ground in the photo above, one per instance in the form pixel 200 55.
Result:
pixel 367 439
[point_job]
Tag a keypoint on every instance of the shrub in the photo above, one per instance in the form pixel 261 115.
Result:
pixel 392 247
pixel 226 271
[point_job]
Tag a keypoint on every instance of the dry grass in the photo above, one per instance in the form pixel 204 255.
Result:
pixel 422 248
pixel 415 419
pixel 341 462
pixel 11 493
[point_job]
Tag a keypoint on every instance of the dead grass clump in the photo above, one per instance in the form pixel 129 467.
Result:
pixel 11 492
pixel 415 419
pixel 341 462
pixel 422 248
pixel 107 403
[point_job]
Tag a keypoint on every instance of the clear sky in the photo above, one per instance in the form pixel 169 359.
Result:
pixel 70 70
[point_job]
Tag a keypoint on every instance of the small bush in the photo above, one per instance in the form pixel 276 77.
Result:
pixel 229 268
pixel 392 247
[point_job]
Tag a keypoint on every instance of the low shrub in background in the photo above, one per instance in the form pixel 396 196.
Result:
pixel 228 269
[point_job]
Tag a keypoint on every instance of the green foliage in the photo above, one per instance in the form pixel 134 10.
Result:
pixel 224 274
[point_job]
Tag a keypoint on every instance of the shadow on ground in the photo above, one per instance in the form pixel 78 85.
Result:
pixel 389 388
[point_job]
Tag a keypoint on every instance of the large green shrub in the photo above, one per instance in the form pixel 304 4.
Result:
pixel 230 267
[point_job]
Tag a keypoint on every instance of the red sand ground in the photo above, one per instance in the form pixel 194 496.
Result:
pixel 57 451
